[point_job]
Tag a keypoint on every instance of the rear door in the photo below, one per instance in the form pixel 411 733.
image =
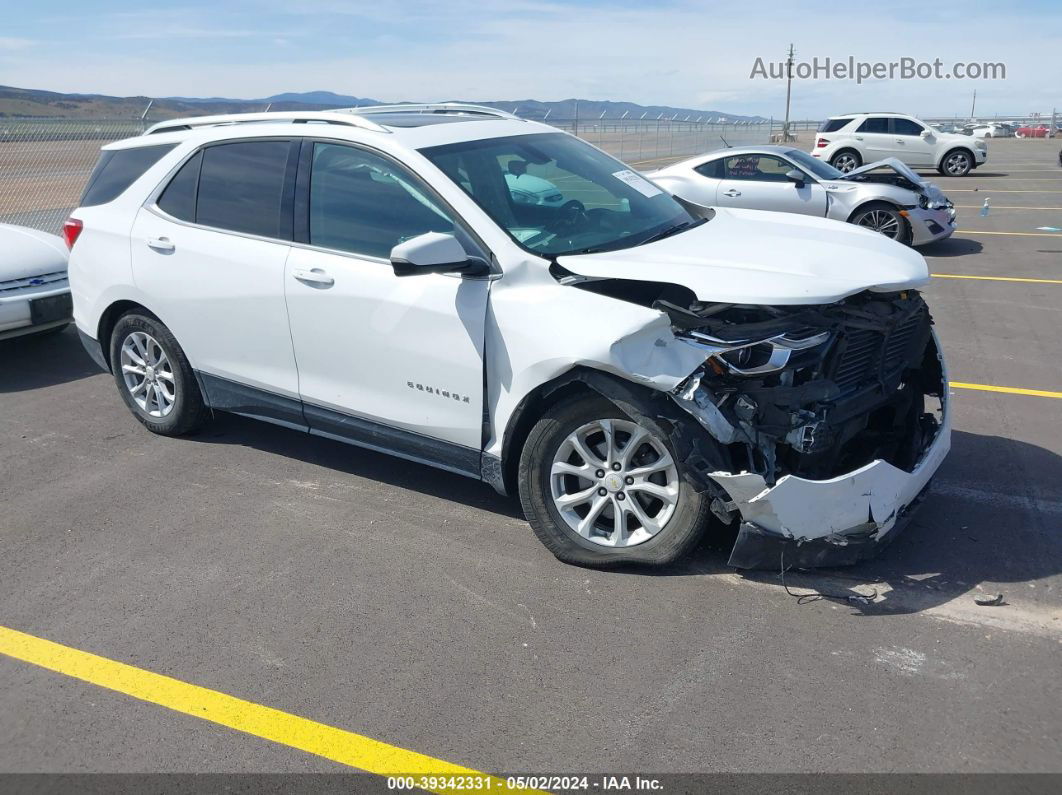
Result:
pixel 209 254
pixel 759 182
pixel 873 137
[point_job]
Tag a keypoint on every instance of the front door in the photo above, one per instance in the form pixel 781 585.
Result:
pixel 389 362
pixel 908 145
pixel 759 182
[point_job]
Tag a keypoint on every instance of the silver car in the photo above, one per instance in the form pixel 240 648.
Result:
pixel 886 196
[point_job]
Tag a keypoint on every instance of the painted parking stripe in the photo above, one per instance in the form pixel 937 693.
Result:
pixel 1011 234
pixel 994 190
pixel 1010 390
pixel 995 278
pixel 1002 207
pixel 329 742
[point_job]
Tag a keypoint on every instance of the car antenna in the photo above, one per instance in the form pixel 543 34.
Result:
pixel 728 146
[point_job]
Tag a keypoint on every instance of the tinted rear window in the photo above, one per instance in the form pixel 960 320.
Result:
pixel 118 169
pixel 833 125
pixel 241 187
pixel 178 199
pixel 876 124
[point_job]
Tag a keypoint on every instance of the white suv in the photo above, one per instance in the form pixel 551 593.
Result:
pixel 847 142
pixel 631 367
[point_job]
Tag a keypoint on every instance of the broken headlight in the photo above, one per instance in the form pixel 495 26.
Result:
pixel 754 357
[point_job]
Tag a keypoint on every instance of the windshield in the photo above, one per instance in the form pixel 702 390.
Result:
pixel 814 165
pixel 555 194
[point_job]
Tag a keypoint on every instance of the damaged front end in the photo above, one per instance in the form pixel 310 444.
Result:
pixel 834 418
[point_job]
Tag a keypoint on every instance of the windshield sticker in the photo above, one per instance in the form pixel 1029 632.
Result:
pixel 638 182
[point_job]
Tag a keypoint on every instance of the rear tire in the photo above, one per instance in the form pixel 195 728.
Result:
pixel 673 522
pixel 846 160
pixel 154 377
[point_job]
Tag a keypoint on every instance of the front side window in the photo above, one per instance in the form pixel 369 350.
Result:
pixel 874 124
pixel 554 194
pixel 757 168
pixel 241 186
pixel 365 204
pixel 906 127
pixel 814 165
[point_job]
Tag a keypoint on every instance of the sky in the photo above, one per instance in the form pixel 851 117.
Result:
pixel 686 53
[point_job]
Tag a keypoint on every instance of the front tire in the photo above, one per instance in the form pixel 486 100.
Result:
pixel 600 489
pixel 956 163
pixel 154 377
pixel 885 219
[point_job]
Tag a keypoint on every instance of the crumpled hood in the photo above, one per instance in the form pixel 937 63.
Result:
pixel 759 257
pixel 931 190
pixel 25 253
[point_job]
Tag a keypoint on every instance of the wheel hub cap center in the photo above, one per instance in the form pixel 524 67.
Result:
pixel 613 481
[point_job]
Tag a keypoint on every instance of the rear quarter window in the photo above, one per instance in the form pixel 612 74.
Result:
pixel 713 169
pixel 117 169
pixel 833 125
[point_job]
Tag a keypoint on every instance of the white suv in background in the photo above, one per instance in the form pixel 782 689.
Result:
pixel 849 141
pixel 631 369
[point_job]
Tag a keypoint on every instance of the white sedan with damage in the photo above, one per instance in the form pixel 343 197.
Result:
pixel 886 196
pixel 34 291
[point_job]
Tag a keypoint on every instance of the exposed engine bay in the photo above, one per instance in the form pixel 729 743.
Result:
pixel 814 391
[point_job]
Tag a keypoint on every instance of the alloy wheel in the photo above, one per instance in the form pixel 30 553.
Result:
pixel 845 163
pixel 614 483
pixel 881 221
pixel 148 374
pixel 956 164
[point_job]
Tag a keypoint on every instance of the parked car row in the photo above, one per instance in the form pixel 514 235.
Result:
pixel 635 366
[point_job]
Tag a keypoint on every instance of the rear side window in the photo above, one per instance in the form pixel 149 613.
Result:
pixel 906 127
pixel 178 199
pixel 241 187
pixel 117 169
pixel 833 125
pixel 875 124
pixel 713 169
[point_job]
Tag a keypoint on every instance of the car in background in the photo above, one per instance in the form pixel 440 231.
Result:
pixel 848 141
pixel 991 130
pixel 525 188
pixel 633 370
pixel 1028 131
pixel 886 197
pixel 34 291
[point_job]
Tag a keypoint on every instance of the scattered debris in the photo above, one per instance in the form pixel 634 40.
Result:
pixel 988 600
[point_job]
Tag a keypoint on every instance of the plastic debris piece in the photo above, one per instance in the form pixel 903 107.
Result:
pixel 989 600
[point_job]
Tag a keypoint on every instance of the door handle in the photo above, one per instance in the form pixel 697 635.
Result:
pixel 899 140
pixel 163 245
pixel 732 193
pixel 859 137
pixel 313 276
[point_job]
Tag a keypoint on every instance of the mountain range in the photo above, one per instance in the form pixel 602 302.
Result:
pixel 27 102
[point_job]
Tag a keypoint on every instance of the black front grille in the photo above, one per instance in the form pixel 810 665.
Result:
pixel 867 356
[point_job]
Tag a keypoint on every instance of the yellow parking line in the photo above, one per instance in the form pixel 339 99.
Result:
pixel 270 724
pixel 1002 207
pixel 993 190
pixel 1010 390
pixel 1017 234
pixel 995 278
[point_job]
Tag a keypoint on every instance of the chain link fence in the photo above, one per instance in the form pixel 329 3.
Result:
pixel 44 163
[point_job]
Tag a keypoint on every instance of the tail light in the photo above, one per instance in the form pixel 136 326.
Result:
pixel 821 143
pixel 72 231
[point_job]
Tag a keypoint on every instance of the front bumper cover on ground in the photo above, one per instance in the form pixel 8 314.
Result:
pixel 834 522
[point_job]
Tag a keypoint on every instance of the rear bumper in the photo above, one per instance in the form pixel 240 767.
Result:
pixel 94 350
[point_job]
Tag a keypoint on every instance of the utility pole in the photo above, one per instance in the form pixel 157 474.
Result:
pixel 575 127
pixel 974 105
pixel 788 92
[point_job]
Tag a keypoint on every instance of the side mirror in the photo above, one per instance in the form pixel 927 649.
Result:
pixel 434 252
pixel 926 134
pixel 796 176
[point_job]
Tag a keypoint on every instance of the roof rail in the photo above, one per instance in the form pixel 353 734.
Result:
pixel 343 116
pixel 437 107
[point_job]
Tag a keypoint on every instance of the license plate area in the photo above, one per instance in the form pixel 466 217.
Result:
pixel 51 309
